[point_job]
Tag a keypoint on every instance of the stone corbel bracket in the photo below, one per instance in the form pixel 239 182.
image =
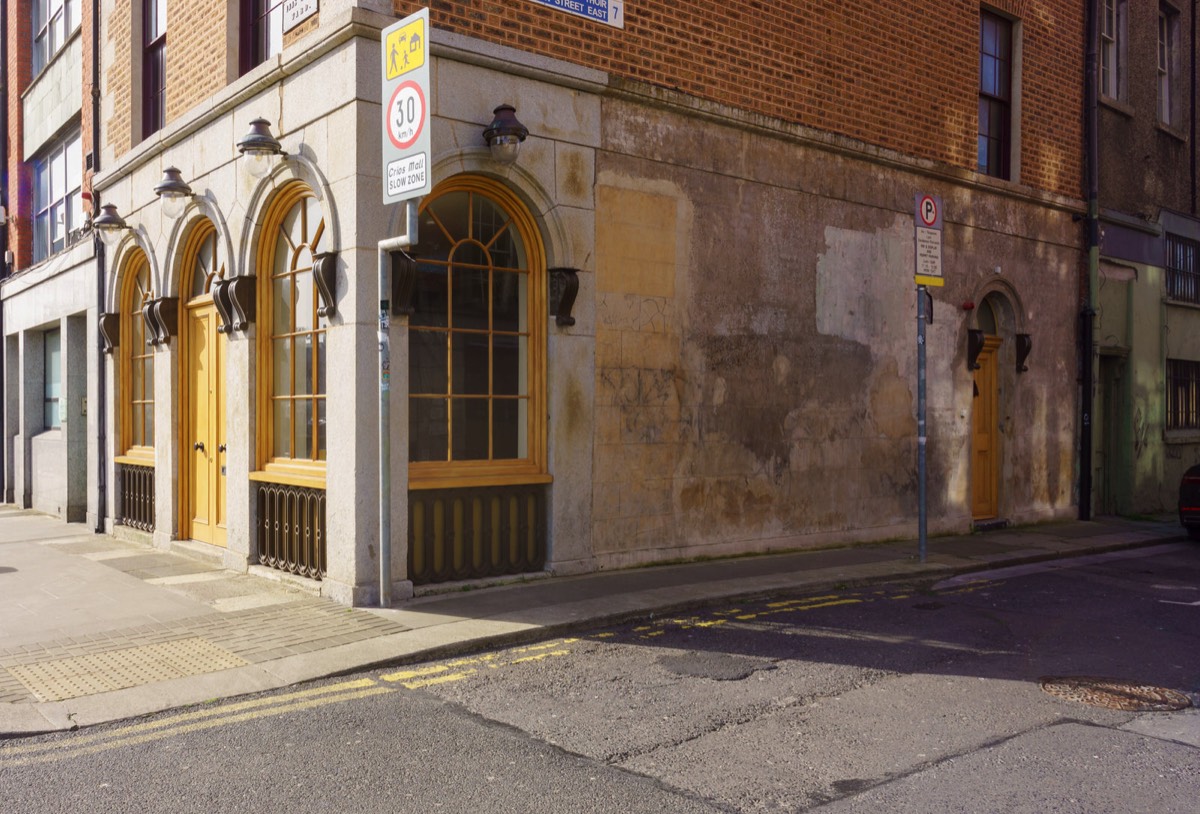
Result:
pixel 110 332
pixel 1024 346
pixel 325 276
pixel 236 300
pixel 162 320
pixel 564 288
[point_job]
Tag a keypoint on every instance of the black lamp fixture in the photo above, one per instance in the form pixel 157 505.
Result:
pixel 173 191
pixel 259 146
pixel 505 134
pixel 109 224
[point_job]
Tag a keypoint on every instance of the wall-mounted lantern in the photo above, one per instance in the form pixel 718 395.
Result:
pixel 259 147
pixel 505 134
pixel 174 192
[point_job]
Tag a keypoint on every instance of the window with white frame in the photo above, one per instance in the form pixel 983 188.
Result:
pixel 52 395
pixel 1168 65
pixel 1112 49
pixel 54 21
pixel 58 205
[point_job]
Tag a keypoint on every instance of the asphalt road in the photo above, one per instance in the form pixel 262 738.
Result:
pixel 898 699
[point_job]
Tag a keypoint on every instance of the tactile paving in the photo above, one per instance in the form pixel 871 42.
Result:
pixel 119 669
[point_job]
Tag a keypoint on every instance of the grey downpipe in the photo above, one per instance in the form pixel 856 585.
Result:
pixel 101 374
pixel 386 247
pixel 3 240
pixel 1088 314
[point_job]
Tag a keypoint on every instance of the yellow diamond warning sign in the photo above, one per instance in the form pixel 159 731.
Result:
pixel 404 50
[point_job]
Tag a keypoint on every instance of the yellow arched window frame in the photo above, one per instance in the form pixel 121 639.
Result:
pixel 136 370
pixel 292 341
pixel 477 340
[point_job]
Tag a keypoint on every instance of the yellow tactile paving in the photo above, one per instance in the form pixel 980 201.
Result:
pixel 118 669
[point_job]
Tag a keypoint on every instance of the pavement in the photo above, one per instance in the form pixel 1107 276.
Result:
pixel 95 628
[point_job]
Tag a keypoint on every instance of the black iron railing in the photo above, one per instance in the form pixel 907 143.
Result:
pixel 135 496
pixel 291 529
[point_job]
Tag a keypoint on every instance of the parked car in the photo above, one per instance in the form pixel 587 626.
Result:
pixel 1189 502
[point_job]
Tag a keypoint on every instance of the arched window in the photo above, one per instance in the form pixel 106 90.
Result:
pixel 292 336
pixel 137 364
pixel 477 339
pixel 204 264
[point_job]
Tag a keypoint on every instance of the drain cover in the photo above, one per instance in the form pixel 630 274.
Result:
pixel 1111 693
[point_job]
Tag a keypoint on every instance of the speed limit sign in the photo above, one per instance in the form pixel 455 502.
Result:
pixel 406 95
pixel 406 115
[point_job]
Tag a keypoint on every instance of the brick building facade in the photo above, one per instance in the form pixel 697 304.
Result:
pixel 682 323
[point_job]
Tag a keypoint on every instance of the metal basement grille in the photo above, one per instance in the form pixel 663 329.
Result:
pixel 135 496
pixel 456 534
pixel 291 529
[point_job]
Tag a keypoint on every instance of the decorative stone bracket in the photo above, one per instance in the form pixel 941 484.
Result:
pixel 974 348
pixel 235 300
pixel 564 288
pixel 1024 346
pixel 325 276
pixel 110 332
pixel 162 320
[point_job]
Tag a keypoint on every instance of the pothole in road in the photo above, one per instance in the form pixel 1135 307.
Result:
pixel 1111 693
pixel 717 666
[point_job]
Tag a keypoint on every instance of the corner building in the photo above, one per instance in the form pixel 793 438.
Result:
pixel 681 324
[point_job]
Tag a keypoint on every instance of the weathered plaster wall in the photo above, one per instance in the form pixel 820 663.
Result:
pixel 756 345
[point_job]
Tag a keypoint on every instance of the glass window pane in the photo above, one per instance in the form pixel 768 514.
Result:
pixel 281 304
pixel 469 363
pixel 509 365
pixel 304 365
pixel 451 212
pixel 427 363
pixel 74 164
pixel 469 420
pixel 321 364
pixel 281 361
pixel 306 293
pixel 509 306
pixel 282 419
pixel 148 362
pixel 302 446
pixel 41 186
pixel 469 298
pixel 509 430
pixel 470 254
pixel 430 297
pixel 321 429
pixel 138 374
pixel 58 225
pixel 58 175
pixel 427 430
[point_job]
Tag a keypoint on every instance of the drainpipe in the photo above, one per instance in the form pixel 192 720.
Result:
pixel 1088 314
pixel 3 236
pixel 101 362
pixel 1192 106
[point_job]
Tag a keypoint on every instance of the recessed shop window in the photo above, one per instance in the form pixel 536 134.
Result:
pixel 476 337
pixel 52 361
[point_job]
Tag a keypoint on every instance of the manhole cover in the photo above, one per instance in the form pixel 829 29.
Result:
pixel 1112 693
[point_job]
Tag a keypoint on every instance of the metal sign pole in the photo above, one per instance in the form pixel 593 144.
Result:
pixel 922 510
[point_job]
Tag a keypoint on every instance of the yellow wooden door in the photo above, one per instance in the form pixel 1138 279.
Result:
pixel 985 427
pixel 203 441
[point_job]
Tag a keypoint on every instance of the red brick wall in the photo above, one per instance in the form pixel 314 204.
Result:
pixel 195 52
pixel 894 74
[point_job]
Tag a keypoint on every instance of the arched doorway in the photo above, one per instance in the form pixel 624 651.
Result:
pixel 985 416
pixel 202 393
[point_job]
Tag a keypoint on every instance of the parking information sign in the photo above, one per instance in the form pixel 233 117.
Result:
pixel 928 222
pixel 406 146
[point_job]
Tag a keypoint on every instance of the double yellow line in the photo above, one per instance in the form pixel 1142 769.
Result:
pixel 188 722
pixel 459 669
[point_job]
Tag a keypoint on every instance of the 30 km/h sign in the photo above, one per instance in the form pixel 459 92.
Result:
pixel 406 115
pixel 404 62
